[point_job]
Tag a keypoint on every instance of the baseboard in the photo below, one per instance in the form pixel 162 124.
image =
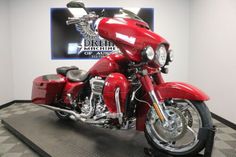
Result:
pixel 22 101
pixel 7 104
pixel 224 121
pixel 14 101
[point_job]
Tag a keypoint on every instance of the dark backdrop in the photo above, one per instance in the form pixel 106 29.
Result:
pixel 62 34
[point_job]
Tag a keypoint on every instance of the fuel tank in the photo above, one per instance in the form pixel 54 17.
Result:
pixel 114 62
pixel 129 35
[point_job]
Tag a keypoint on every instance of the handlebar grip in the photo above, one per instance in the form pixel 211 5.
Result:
pixel 72 21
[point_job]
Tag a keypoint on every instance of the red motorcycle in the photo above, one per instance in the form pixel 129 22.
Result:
pixel 125 89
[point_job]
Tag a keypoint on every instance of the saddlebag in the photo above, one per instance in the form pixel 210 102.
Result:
pixel 48 88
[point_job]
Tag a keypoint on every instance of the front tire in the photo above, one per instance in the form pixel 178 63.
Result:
pixel 205 121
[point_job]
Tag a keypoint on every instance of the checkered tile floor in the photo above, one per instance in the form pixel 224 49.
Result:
pixel 10 146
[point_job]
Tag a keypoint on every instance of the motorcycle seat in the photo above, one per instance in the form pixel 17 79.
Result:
pixel 77 75
pixel 63 70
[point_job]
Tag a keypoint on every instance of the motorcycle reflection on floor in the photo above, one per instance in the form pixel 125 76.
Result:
pixel 125 89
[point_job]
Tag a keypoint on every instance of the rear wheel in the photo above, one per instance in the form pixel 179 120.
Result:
pixel 181 137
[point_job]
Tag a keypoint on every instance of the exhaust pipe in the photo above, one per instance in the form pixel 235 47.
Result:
pixel 75 116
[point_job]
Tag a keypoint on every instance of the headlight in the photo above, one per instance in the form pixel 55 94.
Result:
pixel 148 53
pixel 170 56
pixel 161 56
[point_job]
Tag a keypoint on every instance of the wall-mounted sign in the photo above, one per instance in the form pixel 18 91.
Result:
pixel 67 42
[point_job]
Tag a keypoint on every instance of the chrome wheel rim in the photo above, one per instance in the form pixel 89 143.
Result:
pixel 189 140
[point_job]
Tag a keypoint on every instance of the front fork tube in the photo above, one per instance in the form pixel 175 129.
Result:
pixel 148 85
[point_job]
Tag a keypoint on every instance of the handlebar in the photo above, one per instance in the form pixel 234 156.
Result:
pixel 85 18
pixel 72 20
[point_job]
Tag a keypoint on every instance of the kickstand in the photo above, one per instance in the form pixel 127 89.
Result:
pixel 207 134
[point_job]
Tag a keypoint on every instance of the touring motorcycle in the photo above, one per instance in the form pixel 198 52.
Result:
pixel 125 89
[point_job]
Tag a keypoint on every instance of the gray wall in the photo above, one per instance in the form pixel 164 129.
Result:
pixel 6 81
pixel 212 53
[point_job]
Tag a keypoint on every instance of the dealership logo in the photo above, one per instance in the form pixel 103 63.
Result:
pixel 91 47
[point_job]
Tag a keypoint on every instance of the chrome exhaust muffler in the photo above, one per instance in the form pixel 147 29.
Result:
pixel 75 116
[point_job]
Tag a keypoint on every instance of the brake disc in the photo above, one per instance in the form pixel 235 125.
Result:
pixel 176 129
pixel 188 117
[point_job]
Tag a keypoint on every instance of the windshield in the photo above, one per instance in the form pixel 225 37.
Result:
pixel 118 12
pixel 124 13
pixel 140 14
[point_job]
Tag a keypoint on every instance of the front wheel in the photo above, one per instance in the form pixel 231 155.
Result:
pixel 180 138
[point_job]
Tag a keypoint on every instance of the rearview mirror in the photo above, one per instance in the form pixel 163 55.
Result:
pixel 77 9
pixel 75 4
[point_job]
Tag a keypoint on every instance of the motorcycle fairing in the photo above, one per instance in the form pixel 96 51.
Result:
pixel 109 64
pixel 131 36
pixel 165 91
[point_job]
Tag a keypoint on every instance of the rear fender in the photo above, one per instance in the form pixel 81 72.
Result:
pixel 167 91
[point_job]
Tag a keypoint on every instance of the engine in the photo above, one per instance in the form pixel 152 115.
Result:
pixel 107 98
pixel 97 85
pixel 94 107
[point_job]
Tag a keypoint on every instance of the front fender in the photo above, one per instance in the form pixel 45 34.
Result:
pixel 179 90
pixel 167 91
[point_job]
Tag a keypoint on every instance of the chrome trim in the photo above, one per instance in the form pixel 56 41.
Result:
pixel 157 56
pixel 171 56
pixel 117 100
pixel 71 101
pixel 169 146
pixel 93 85
pixel 91 108
pixel 69 98
pixel 75 116
pixel 113 115
pixel 153 96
